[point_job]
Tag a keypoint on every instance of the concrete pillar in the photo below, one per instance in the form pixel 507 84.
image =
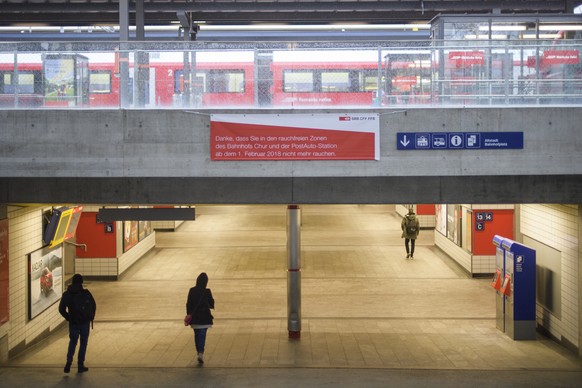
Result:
pixel 139 21
pixel 294 271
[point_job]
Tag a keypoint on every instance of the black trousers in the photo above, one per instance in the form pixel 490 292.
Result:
pixel 409 250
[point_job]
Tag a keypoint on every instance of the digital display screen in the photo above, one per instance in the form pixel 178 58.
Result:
pixel 62 227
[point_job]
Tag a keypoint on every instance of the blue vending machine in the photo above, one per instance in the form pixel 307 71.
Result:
pixel 496 282
pixel 519 288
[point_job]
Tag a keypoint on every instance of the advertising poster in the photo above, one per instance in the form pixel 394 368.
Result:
pixel 59 75
pixel 4 289
pixel 45 279
pixel 441 218
pixel 130 234
pixel 348 136
pixel 453 226
pixel 145 229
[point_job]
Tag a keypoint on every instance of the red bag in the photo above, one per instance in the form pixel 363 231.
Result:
pixel 187 320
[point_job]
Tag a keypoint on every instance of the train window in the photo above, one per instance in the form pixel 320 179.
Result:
pixel 337 81
pixel 368 81
pixel 178 81
pixel 6 83
pixel 213 81
pixel 225 81
pixel 26 83
pixel 298 81
pixel 100 82
pixel 199 83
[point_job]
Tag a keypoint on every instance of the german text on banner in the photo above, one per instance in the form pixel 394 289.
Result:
pixel 348 136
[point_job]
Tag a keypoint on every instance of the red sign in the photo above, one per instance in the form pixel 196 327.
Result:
pixel 4 276
pixel 561 57
pixel 467 58
pixel 404 83
pixel 305 137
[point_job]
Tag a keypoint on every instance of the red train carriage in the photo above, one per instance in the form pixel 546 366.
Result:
pixel 325 78
pixel 216 79
pixel 23 88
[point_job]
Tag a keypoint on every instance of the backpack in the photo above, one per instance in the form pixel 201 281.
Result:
pixel 410 226
pixel 81 307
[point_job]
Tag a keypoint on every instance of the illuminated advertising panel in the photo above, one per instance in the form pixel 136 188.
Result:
pixel 45 279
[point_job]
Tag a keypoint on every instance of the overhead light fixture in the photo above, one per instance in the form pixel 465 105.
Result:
pixel 541 36
pixel 485 37
pixel 503 28
pixel 560 27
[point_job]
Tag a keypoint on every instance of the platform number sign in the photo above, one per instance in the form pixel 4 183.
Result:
pixel 481 218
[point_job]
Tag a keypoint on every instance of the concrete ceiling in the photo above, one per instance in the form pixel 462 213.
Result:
pixel 160 12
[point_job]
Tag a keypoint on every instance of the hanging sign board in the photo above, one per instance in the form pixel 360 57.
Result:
pixel 349 136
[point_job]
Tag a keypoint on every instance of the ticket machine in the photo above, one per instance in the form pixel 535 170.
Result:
pixel 519 290
pixel 497 281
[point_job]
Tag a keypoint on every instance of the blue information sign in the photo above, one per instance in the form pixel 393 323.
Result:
pixel 459 140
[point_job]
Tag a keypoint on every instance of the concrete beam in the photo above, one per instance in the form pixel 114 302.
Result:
pixel 300 190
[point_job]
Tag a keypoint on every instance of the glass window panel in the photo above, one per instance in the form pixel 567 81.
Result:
pixel 370 82
pixel 335 81
pixel 26 83
pixel 300 81
pixel 225 81
pixel 7 87
pixel 100 82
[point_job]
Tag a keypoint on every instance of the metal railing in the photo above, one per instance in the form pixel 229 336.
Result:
pixel 145 75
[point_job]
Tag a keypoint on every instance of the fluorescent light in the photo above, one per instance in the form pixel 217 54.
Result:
pixel 503 28
pixel 541 36
pixel 560 27
pixel 484 36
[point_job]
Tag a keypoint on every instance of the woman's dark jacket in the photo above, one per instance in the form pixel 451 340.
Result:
pixel 199 303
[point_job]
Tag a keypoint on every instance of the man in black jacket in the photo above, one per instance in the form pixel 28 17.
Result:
pixel 78 308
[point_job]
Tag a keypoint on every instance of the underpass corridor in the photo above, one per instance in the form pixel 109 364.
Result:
pixel 363 304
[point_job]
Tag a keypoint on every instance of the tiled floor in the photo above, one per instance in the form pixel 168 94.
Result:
pixel 363 304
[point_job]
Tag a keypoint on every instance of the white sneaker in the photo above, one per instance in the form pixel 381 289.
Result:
pixel 201 358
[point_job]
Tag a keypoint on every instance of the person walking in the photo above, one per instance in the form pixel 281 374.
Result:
pixel 78 307
pixel 410 229
pixel 198 306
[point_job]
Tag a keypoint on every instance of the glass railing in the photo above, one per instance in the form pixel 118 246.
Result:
pixel 157 75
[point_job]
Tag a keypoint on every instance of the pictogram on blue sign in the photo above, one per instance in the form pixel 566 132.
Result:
pixel 458 140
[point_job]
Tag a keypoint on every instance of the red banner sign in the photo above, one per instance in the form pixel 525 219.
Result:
pixel 466 58
pixel 561 57
pixel 294 137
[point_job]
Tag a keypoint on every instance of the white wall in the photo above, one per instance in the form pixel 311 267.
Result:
pixel 25 236
pixel 558 227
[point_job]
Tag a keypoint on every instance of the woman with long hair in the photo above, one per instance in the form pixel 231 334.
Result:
pixel 198 306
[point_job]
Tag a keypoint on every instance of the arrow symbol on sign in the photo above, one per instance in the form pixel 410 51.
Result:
pixel 404 142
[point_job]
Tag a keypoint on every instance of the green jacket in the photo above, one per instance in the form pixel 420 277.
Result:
pixel 405 233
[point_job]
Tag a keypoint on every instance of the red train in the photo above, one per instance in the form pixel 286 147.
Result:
pixel 304 78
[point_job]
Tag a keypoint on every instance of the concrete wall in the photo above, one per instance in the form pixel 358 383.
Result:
pixel 163 156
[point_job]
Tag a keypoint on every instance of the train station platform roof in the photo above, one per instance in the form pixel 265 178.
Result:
pixel 156 12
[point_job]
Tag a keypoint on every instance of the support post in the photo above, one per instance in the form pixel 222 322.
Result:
pixel 294 271
pixel 123 53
